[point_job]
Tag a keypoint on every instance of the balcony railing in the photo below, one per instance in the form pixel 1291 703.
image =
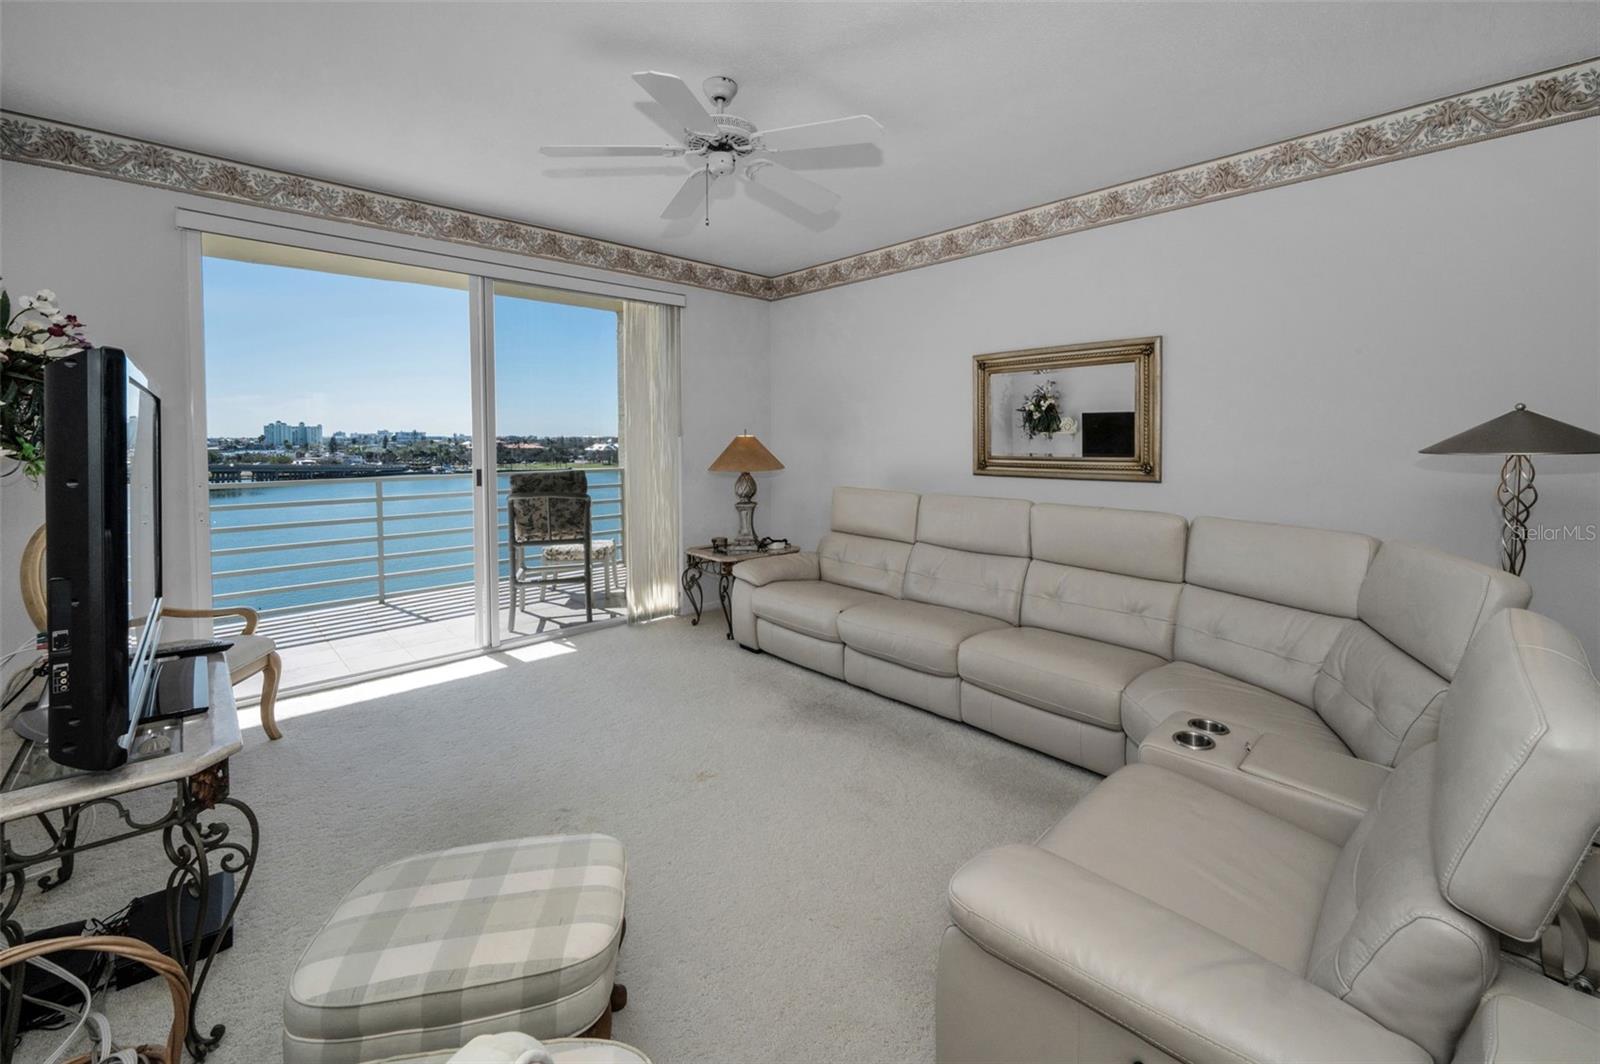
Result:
pixel 284 546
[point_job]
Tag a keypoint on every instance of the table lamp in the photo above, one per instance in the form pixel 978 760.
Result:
pixel 745 455
pixel 1517 435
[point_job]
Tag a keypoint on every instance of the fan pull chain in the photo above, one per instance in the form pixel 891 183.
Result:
pixel 708 195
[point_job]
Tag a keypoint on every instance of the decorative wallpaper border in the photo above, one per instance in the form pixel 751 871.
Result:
pixel 27 139
pixel 1531 102
pixel 1559 95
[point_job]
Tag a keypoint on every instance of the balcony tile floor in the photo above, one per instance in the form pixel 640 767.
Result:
pixel 320 646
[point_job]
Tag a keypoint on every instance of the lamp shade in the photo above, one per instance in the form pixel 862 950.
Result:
pixel 1520 432
pixel 745 454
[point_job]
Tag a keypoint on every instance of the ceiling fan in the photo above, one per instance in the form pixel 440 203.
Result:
pixel 718 144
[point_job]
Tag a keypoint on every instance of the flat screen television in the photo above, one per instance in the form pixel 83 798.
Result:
pixel 102 431
pixel 1108 434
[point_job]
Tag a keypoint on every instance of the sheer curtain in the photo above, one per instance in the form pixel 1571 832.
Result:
pixel 652 441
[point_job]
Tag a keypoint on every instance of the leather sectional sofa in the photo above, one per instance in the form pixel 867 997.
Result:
pixel 1350 783
pixel 1163 919
pixel 1082 631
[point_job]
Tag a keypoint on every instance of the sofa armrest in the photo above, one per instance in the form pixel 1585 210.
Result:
pixel 1179 986
pixel 759 571
pixel 1323 791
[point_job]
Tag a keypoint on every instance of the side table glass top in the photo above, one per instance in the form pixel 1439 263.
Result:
pixel 29 764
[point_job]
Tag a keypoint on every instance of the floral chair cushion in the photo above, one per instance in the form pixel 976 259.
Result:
pixel 549 507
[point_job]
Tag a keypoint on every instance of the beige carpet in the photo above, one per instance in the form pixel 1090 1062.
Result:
pixel 789 837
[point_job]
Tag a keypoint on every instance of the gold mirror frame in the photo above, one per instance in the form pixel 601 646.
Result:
pixel 1143 352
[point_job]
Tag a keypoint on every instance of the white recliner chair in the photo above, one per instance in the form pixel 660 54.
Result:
pixel 1163 920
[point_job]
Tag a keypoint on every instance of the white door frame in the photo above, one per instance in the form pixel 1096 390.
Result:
pixel 485 462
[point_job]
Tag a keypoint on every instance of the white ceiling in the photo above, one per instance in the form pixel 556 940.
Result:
pixel 988 108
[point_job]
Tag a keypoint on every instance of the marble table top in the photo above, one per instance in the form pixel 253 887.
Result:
pixel 706 554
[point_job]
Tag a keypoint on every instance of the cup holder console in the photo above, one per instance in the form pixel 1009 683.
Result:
pixel 1214 727
pixel 1193 740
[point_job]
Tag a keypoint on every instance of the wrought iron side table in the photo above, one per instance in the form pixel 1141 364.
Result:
pixel 699 560
pixel 190 757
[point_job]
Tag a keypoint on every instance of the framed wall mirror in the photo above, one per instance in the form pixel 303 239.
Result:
pixel 1084 412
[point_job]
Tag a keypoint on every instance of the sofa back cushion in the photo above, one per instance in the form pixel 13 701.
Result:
pixel 1383 682
pixel 1140 543
pixel 1429 603
pixel 1104 574
pixel 1517 804
pixel 871 539
pixel 971 554
pixel 876 514
pixel 1264 603
pixel 1381 701
pixel 1310 569
pixel 1387 941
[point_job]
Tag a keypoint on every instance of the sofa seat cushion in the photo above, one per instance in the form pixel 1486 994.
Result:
pixel 811 607
pixel 423 949
pixel 1064 674
pixel 1226 865
pixel 918 635
pixel 1184 687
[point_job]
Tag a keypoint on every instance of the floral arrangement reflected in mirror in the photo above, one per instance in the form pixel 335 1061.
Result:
pixel 1084 411
pixel 1041 414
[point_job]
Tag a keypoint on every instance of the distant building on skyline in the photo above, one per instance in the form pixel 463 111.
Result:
pixel 283 434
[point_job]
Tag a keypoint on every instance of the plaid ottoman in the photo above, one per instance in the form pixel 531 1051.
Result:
pixel 429 952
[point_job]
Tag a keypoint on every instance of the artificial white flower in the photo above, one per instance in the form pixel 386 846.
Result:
pixel 45 296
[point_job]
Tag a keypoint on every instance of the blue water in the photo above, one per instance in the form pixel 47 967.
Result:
pixel 410 524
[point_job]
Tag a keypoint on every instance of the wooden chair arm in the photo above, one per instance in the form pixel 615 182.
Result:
pixel 249 615
pixel 144 953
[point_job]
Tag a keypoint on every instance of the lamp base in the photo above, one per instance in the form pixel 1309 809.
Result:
pixel 745 541
pixel 1516 496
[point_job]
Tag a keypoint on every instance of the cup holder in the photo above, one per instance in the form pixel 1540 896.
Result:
pixel 1193 740
pixel 1214 727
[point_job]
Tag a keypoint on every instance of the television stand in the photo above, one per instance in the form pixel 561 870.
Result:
pixel 204 829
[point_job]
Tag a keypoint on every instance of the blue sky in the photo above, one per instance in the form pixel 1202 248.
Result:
pixel 359 354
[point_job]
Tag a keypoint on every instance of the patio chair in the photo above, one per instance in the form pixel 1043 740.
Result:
pixel 249 654
pixel 548 509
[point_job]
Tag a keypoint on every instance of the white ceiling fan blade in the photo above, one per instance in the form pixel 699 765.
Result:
pixel 791 186
pixel 677 99
pixel 591 151
pixel 857 129
pixel 689 197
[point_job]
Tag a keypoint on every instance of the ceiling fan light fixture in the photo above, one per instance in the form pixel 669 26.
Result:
pixel 714 143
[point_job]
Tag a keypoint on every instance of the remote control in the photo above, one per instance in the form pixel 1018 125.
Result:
pixel 191 648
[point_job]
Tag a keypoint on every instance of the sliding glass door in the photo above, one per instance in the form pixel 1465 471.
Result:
pixel 554 359
pixel 367 425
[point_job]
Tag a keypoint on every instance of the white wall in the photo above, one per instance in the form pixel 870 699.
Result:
pixel 113 255
pixel 1315 337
